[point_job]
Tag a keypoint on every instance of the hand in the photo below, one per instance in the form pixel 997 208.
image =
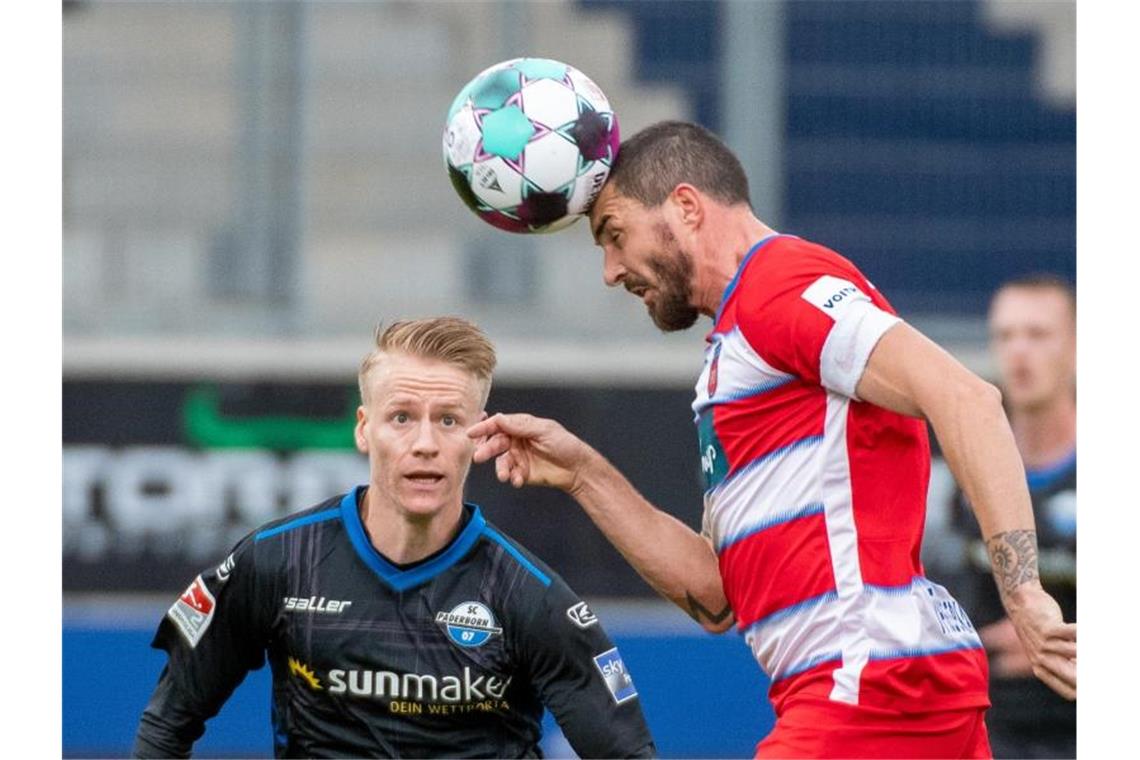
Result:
pixel 1009 658
pixel 531 450
pixel 1049 643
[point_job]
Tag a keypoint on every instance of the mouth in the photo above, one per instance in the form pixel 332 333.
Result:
pixel 424 477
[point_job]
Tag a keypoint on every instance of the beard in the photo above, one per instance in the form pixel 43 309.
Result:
pixel 672 310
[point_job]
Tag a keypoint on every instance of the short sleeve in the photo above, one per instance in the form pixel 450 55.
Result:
pixel 809 312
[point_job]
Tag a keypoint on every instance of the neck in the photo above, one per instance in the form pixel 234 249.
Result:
pixel 1047 433
pixel 403 539
pixel 732 233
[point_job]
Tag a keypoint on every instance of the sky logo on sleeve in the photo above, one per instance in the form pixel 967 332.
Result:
pixel 617 678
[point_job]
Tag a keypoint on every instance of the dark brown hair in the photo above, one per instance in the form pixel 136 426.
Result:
pixel 660 157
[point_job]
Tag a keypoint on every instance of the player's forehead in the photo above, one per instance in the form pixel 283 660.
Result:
pixel 403 378
pixel 1029 306
pixel 613 208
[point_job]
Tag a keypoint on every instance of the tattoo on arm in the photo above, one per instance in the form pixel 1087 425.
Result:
pixel 1013 555
pixel 697 610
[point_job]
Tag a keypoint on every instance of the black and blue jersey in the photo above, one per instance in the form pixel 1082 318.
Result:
pixel 454 655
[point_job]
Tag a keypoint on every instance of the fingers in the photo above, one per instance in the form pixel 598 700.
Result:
pixel 1061 647
pixel 491 447
pixel 1059 674
pixel 524 425
pixel 510 468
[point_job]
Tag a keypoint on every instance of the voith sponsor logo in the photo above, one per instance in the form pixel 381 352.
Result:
pixel 419 687
pixel 832 294
pixel 315 604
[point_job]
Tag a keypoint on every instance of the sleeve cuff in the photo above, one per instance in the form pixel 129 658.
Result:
pixel 849 345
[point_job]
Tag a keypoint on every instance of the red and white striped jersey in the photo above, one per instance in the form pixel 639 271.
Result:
pixel 815 500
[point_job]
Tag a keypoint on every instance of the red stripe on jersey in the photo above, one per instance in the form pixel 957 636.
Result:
pixel 812 685
pixel 946 681
pixel 889 457
pixel 776 568
pixel 789 413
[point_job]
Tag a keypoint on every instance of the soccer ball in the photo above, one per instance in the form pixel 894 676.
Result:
pixel 529 143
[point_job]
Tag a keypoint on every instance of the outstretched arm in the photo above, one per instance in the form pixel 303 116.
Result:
pixel 677 562
pixel 909 374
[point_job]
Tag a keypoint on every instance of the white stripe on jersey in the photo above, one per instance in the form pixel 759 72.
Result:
pixel 902 621
pixel 843 541
pixel 737 506
pixel 740 373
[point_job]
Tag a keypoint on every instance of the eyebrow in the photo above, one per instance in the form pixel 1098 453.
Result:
pixel 601 228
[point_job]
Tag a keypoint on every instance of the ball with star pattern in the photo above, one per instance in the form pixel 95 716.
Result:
pixel 529 143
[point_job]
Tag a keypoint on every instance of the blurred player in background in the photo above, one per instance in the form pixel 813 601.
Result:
pixel 810 414
pixel 1033 339
pixel 396 619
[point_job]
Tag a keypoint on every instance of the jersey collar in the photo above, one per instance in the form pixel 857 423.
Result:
pixel 390 574
pixel 728 291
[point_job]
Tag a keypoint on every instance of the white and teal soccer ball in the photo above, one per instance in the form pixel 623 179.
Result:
pixel 529 143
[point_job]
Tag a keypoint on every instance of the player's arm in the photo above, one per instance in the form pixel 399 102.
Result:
pixel 909 374
pixel 213 637
pixel 677 562
pixel 580 676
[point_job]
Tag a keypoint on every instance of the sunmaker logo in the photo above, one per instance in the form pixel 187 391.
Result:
pixel 418 687
pixel 305 673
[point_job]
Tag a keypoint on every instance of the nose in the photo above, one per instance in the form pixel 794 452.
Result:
pixel 612 270
pixel 425 444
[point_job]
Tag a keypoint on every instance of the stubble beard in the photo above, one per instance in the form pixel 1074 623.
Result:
pixel 673 309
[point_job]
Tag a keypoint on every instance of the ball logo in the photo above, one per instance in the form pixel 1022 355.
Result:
pixel 470 624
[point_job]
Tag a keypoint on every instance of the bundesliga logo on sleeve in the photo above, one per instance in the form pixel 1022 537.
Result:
pixel 193 611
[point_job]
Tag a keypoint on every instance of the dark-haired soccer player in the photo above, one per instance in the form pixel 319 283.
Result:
pixel 811 412
pixel 397 620
pixel 1033 338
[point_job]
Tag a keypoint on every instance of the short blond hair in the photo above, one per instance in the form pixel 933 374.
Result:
pixel 447 339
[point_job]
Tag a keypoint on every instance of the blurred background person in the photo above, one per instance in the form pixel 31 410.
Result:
pixel 1032 326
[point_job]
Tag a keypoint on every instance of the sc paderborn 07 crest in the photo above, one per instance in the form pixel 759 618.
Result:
pixel 469 624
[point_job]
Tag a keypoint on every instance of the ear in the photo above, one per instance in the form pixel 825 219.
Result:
pixel 689 204
pixel 358 431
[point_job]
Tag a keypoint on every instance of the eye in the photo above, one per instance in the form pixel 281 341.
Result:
pixel 400 417
pixel 448 420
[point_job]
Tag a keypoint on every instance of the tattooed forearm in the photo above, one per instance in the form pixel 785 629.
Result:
pixel 697 611
pixel 1013 555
